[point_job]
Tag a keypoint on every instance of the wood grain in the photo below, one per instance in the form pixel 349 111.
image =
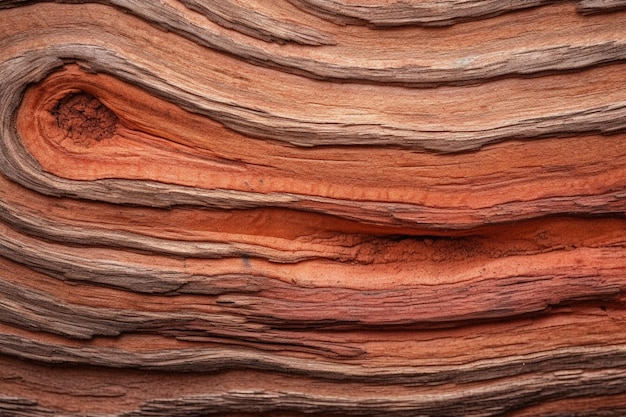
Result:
pixel 312 207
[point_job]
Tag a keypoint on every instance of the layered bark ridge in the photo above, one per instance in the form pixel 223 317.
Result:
pixel 321 207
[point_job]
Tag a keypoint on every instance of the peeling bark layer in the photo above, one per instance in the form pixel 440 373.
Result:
pixel 320 207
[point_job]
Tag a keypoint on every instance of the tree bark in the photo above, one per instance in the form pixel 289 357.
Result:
pixel 319 207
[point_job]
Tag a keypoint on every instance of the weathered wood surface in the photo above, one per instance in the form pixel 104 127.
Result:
pixel 312 206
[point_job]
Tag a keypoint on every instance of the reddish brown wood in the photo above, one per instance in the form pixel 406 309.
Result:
pixel 312 207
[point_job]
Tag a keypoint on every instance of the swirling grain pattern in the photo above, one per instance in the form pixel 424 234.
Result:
pixel 312 207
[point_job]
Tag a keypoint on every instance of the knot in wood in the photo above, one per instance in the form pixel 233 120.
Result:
pixel 85 118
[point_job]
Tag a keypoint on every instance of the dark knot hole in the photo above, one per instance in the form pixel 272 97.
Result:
pixel 85 118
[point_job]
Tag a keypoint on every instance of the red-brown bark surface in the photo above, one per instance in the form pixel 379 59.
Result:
pixel 320 207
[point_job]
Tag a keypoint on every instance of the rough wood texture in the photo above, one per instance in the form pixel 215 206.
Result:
pixel 321 207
